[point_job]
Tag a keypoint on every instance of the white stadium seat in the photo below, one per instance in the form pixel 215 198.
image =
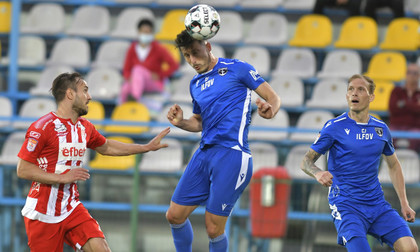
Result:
pixel 11 147
pixel 44 18
pixel 311 119
pixel 34 108
pixel 257 56
pixel 104 83
pixel 268 29
pixel 410 164
pixel 74 52
pixel 341 64
pixel 290 89
pixel 168 159
pixel 6 110
pixel 281 120
pixel 127 20
pixel 231 28
pixel 90 21
pixel 263 155
pixel 298 62
pixel 111 53
pixel 46 79
pixel 329 94
pixel 32 51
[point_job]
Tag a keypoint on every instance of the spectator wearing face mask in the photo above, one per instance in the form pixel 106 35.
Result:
pixel 147 64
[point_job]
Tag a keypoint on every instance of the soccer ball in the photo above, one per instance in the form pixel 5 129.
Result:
pixel 202 22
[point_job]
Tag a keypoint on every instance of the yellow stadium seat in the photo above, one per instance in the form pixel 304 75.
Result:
pixel 5 16
pixel 312 31
pixel 358 33
pixel 174 52
pixel 112 162
pixel 389 66
pixel 172 24
pixel 402 34
pixel 382 93
pixel 96 112
pixel 129 111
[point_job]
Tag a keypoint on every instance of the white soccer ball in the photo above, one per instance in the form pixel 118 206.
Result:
pixel 202 22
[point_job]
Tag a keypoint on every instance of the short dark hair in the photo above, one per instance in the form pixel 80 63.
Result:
pixel 63 82
pixel 145 21
pixel 370 82
pixel 184 39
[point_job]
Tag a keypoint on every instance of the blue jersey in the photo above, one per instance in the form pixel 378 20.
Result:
pixel 222 97
pixel 355 150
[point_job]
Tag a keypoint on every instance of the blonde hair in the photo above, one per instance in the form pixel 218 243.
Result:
pixel 368 80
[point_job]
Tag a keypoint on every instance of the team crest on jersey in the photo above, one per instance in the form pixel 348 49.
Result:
pixel 379 131
pixel 222 71
pixel 32 143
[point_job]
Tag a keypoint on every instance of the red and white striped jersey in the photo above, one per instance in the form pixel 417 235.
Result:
pixel 56 145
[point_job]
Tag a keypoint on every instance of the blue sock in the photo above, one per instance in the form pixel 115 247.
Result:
pixel 183 236
pixel 219 244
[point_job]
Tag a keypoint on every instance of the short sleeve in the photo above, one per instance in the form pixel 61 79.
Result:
pixel 248 75
pixel 96 139
pixel 324 141
pixel 389 146
pixel 33 144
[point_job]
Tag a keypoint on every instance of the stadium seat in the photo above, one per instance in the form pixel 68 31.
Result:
pixel 172 24
pixel 312 30
pixel 311 119
pixel 168 159
pixel 402 34
pixel 5 17
pixel 290 89
pixel 5 111
pixel 176 2
pixel 257 56
pixel 329 94
pixel 32 51
pixel 175 131
pixel 297 62
pixel 135 1
pixel 358 33
pixel 173 50
pixel 382 94
pixel 112 162
pixel 96 112
pixel 268 29
pixel 104 83
pixel 74 52
pixel 341 64
pixel 294 159
pixel 299 5
pixel 281 120
pixel 231 30
pixel 389 66
pixel 263 155
pixel 111 53
pixel 130 111
pixel 180 87
pixel 410 164
pixel 44 18
pixel 90 21
pixel 127 20
pixel 11 147
pixel 220 3
pixel 46 79
pixel 261 4
pixel 34 108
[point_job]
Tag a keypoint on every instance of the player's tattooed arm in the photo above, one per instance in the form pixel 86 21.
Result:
pixel 308 163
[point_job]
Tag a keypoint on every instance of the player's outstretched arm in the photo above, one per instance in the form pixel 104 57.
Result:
pixel 29 171
pixel 117 148
pixel 309 167
pixel 271 104
pixel 397 178
pixel 176 117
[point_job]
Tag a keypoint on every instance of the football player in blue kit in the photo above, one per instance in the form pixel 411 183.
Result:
pixel 356 141
pixel 221 168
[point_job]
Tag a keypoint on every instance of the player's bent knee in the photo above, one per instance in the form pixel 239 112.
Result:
pixel 173 218
pixel 406 244
pixel 96 245
pixel 214 230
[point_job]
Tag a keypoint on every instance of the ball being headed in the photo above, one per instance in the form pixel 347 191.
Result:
pixel 202 22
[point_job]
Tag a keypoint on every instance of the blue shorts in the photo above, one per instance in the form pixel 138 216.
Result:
pixel 216 176
pixel 356 220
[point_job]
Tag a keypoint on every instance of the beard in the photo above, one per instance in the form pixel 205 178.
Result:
pixel 80 111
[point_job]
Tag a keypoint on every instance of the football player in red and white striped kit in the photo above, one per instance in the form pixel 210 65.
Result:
pixel 52 158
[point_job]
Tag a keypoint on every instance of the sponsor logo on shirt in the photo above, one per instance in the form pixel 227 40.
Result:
pixel 207 84
pixel 72 151
pixel 254 75
pixel 347 131
pixel 34 134
pixel 32 143
pixel 364 135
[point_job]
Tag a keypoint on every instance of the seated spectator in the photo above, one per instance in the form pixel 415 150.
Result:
pixel 147 64
pixel 352 6
pixel 404 106
pixel 397 7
